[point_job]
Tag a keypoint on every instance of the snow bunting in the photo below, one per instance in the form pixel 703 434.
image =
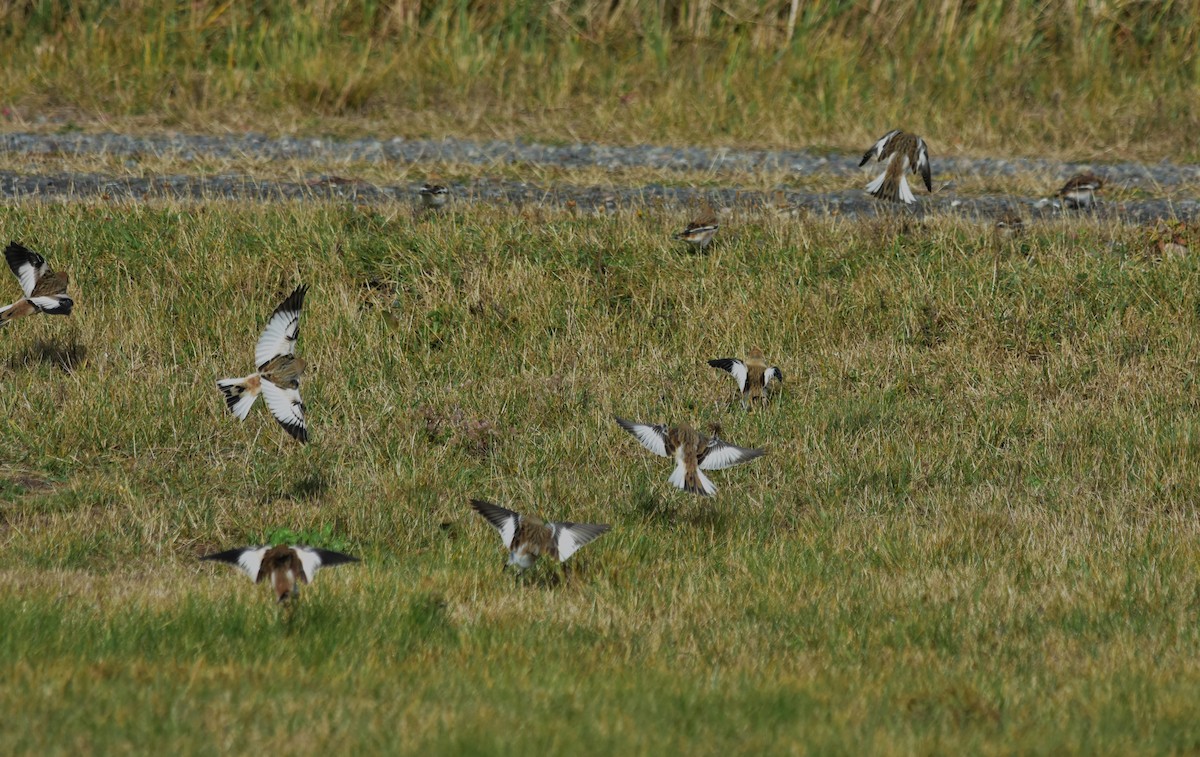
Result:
pixel 753 375
pixel 1080 190
pixel 903 152
pixel 45 290
pixel 282 564
pixel 278 376
pixel 693 452
pixel 433 195
pixel 527 538
pixel 700 232
pixel 1009 225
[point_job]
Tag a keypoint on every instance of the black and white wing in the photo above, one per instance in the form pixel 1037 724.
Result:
pixel 733 366
pixel 719 454
pixel 502 519
pixel 772 374
pixel 288 409
pixel 922 166
pixel 26 265
pixel 653 438
pixel 312 560
pixel 279 337
pixel 877 149
pixel 247 559
pixel 569 537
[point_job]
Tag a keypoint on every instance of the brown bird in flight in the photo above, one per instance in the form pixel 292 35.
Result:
pixel 279 370
pixel 45 291
pixel 284 565
pixel 527 538
pixel 903 152
pixel 693 453
pixel 753 375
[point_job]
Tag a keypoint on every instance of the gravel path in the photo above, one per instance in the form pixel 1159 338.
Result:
pixel 186 148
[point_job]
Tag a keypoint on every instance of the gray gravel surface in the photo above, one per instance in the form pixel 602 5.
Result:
pixel 186 148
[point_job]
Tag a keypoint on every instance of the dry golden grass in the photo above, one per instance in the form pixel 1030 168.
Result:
pixel 1096 81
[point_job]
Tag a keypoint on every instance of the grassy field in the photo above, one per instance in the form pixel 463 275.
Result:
pixel 1097 81
pixel 975 530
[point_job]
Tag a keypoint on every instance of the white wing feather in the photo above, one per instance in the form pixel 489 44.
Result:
pixel 250 561
pixel 652 438
pixel 721 455
pixel 284 404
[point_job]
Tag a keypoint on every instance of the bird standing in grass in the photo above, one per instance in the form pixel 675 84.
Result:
pixel 1080 190
pixel 1009 225
pixel 700 232
pixel 527 538
pixel 693 452
pixel 283 564
pixel 45 290
pixel 753 375
pixel 903 152
pixel 279 371
pixel 433 194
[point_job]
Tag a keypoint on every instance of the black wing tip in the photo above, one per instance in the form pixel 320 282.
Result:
pixel 724 363
pixel 333 557
pixel 778 373
pixel 64 307
pixel 482 506
pixel 295 430
pixel 295 300
pixel 230 556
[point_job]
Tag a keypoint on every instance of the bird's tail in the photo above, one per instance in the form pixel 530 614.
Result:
pixel 55 304
pixel 692 481
pixel 892 184
pixel 239 394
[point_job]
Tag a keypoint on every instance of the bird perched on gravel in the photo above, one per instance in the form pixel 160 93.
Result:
pixel 903 152
pixel 45 290
pixel 279 370
pixel 693 452
pixel 753 375
pixel 527 538
pixel 1080 190
pixel 700 232
pixel 433 194
pixel 284 565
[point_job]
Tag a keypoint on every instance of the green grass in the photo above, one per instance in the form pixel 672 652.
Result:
pixel 975 530
pixel 1096 81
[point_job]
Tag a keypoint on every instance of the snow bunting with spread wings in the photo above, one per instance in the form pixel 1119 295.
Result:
pixel 700 232
pixel 753 375
pixel 1080 190
pixel 283 565
pixel 45 290
pixel 693 452
pixel 278 376
pixel 527 538
pixel 903 152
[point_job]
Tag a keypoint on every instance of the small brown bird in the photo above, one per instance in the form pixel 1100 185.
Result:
pixel 1010 225
pixel 753 375
pixel 1080 190
pixel 45 290
pixel 279 370
pixel 693 453
pixel 700 232
pixel 527 538
pixel 434 195
pixel 283 564
pixel 903 152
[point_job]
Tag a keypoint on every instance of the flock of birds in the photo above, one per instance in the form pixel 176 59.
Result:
pixel 526 538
